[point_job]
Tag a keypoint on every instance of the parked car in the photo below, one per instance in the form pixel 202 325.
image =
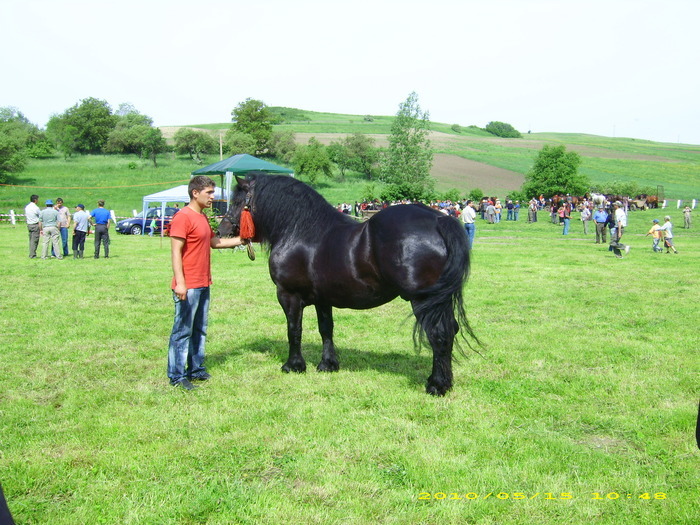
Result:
pixel 134 225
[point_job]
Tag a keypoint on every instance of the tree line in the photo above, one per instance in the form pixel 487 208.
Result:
pixel 402 168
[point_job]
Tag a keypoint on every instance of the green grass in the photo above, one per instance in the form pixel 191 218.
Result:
pixel 588 384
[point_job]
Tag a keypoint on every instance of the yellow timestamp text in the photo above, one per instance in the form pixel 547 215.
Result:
pixel 603 496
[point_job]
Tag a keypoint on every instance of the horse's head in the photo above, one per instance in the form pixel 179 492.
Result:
pixel 230 225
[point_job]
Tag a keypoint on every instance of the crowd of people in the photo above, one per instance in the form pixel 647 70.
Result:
pixel 609 218
pixel 52 224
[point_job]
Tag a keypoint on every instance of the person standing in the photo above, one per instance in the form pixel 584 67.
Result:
pixel 509 207
pixel 491 213
pixel 63 224
pixel 31 214
pixel 532 211
pixel 620 218
pixel 48 227
pixel 565 217
pixel 585 217
pixel 600 218
pixel 686 217
pixel 468 217
pixel 192 239
pixel 81 224
pixel 516 210
pixel 101 217
pixel 667 228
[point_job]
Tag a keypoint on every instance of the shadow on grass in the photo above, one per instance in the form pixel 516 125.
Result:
pixel 415 367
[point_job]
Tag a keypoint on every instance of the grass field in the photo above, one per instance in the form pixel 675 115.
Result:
pixel 580 409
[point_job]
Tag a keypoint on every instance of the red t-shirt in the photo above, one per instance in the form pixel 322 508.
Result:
pixel 196 255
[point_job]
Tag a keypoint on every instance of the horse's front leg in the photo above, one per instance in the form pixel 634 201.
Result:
pixel 293 309
pixel 329 360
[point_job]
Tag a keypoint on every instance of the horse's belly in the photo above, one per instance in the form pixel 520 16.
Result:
pixel 357 301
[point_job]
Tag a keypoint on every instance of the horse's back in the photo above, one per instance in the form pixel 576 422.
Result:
pixel 411 246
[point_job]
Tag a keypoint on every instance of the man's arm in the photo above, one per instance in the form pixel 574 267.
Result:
pixel 177 245
pixel 228 242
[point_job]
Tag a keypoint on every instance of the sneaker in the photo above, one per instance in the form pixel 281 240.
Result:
pixel 202 376
pixel 618 256
pixel 185 384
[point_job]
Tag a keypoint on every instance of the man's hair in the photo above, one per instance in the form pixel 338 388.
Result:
pixel 59 200
pixel 100 202
pixel 33 198
pixel 199 183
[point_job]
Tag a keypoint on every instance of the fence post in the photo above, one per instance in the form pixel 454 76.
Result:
pixel 12 218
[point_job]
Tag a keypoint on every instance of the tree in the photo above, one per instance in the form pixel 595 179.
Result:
pixel 283 145
pixel 340 156
pixel 254 118
pixel 362 153
pixel 152 144
pixel 84 128
pixel 13 141
pixel 555 171
pixel 406 165
pixel 236 142
pixel 502 129
pixel 194 143
pixel 312 160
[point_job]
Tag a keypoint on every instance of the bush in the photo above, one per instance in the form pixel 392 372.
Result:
pixel 452 195
pixel 502 129
pixel 476 195
pixel 456 128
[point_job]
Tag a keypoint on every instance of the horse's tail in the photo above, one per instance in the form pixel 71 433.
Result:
pixel 441 305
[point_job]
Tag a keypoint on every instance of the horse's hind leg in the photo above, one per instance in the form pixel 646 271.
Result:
pixel 440 326
pixel 294 310
pixel 329 360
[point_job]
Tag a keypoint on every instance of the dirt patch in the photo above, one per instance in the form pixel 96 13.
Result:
pixel 452 171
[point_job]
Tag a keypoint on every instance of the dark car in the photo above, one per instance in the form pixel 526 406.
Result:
pixel 135 225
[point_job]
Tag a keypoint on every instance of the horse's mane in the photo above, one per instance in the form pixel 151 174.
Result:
pixel 284 206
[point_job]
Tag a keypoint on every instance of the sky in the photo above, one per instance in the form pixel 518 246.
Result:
pixel 615 68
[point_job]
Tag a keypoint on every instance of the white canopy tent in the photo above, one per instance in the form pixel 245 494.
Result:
pixel 177 194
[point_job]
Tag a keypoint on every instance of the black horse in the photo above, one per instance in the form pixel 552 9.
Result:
pixel 322 257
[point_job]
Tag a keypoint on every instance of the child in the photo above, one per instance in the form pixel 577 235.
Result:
pixel 667 228
pixel 153 226
pixel 655 232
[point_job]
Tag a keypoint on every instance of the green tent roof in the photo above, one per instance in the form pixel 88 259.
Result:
pixel 242 163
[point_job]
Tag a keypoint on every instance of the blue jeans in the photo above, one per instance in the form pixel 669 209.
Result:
pixel 186 348
pixel 64 240
pixel 510 215
pixel 566 226
pixel 471 231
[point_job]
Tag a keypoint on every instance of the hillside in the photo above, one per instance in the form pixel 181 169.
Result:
pixel 467 160
pixel 474 158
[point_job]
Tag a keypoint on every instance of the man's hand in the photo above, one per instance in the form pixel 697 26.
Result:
pixel 181 292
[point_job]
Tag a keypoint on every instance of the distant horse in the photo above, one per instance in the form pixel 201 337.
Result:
pixel 327 259
pixel 598 199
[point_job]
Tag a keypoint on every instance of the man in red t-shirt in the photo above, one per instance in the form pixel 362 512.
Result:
pixel 191 240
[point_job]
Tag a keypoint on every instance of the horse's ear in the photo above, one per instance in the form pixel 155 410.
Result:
pixel 242 183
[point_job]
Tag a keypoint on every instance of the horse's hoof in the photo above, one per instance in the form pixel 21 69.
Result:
pixel 324 366
pixel 435 390
pixel 294 368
